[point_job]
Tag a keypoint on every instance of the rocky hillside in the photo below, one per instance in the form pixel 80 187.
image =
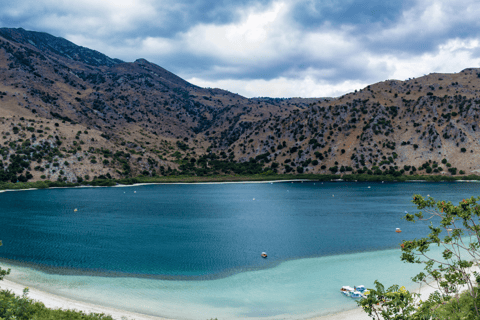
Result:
pixel 71 113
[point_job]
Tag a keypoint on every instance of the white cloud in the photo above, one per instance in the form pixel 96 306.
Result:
pixel 90 17
pixel 429 18
pixel 452 56
pixel 282 87
pixel 258 36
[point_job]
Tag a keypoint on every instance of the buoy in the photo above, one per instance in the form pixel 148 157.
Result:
pixel 398 230
pixel 253 198
pixel 368 187
pixel 333 195
pixel 134 191
pixel 75 210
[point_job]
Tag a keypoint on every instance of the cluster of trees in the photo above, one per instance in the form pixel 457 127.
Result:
pixel 19 166
pixel 212 164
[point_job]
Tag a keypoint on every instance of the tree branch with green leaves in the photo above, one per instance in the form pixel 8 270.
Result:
pixel 455 230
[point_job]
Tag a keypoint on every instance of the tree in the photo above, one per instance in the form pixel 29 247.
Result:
pixel 456 230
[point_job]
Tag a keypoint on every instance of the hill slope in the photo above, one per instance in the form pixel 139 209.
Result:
pixel 68 112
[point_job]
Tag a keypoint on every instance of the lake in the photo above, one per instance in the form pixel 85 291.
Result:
pixel 192 251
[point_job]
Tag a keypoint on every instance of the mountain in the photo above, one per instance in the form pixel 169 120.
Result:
pixel 71 113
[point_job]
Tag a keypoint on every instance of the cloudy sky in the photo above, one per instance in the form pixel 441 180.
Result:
pixel 284 48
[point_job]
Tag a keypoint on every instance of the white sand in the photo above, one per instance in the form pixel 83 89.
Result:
pixel 57 302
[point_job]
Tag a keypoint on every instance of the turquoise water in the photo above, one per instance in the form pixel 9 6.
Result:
pixel 192 251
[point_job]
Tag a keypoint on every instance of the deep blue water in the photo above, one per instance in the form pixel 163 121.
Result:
pixel 205 231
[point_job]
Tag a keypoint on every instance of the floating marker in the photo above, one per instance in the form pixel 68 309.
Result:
pixel 253 198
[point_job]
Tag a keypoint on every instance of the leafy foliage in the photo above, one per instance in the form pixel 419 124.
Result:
pixel 23 308
pixel 456 230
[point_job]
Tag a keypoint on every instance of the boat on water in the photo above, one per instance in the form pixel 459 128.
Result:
pixel 360 288
pixel 354 293
pixel 397 230
pixel 347 290
pixel 264 254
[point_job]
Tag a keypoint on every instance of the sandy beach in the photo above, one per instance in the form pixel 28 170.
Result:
pixel 58 302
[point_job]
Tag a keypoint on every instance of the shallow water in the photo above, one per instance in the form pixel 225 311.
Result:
pixel 192 251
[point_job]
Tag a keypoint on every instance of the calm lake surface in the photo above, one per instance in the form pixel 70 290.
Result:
pixel 193 250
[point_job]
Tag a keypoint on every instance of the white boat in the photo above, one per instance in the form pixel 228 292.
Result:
pixel 361 288
pixel 356 295
pixel 347 290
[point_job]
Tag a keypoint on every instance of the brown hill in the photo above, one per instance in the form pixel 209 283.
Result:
pixel 67 112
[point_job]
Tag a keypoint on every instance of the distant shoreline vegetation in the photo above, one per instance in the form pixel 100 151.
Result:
pixel 234 178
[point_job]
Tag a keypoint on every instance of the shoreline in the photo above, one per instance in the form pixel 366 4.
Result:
pixel 273 178
pixel 167 183
pixel 54 301
pixel 120 185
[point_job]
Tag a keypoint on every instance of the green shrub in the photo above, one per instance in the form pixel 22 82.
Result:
pixel 24 308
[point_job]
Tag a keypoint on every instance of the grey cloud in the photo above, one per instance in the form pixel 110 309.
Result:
pixel 371 25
